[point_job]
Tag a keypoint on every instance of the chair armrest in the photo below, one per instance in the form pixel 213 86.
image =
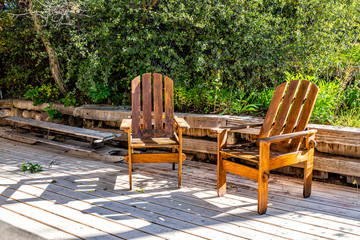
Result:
pixel 181 123
pixel 279 138
pixel 126 125
pixel 242 126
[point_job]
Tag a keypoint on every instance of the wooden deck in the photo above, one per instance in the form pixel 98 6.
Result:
pixel 86 199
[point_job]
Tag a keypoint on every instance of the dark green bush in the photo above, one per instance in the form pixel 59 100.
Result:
pixel 224 55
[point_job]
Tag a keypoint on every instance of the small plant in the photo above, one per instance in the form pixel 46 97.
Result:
pixel 140 190
pixel 69 100
pixel 52 112
pixel 42 94
pixel 31 167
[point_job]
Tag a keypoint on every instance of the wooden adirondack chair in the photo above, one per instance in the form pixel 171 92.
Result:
pixel 147 130
pixel 284 128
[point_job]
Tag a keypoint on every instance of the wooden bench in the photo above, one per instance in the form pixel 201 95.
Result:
pixel 94 135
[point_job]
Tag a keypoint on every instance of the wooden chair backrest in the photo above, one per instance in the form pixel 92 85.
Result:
pixel 289 111
pixel 149 89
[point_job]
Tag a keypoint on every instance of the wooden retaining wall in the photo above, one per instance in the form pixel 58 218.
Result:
pixel 338 148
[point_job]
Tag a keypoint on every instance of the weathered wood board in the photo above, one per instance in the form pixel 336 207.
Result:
pixel 77 198
pixel 33 139
pixel 334 140
pixel 28 105
pixel 63 128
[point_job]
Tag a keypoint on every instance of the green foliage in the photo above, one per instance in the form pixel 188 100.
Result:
pixel 326 102
pixel 226 56
pixel 31 167
pixel 263 98
pixel 39 95
pixel 69 100
pixel 53 113
pixel 348 117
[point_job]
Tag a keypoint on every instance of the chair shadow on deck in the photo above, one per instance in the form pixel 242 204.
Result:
pixel 155 205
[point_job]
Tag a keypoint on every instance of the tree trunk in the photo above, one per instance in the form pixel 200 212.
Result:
pixel 53 60
pixel 143 20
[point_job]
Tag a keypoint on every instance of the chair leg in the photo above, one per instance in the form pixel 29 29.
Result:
pixel 180 159
pixel 308 172
pixel 173 165
pixel 262 193
pixel 180 169
pixel 130 158
pixel 130 172
pixel 221 177
pixel 130 168
pixel 264 171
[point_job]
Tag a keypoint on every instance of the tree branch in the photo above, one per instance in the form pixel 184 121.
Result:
pixel 144 18
pixel 53 60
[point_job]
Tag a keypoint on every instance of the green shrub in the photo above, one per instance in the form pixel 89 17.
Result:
pixel 40 95
pixel 226 56
pixel 327 102
pixel 53 113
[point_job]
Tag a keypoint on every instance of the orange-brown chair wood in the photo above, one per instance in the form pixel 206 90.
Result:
pixel 284 128
pixel 154 130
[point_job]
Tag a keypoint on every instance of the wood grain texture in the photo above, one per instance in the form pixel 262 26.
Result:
pixel 147 130
pixel 47 141
pixel 305 115
pixel 241 170
pixel 285 108
pixel 153 142
pixel 308 173
pixel 263 177
pixel 296 107
pixel 283 137
pixel 158 104
pixel 126 124
pixel 160 210
pixel 156 158
pixel 63 128
pixel 157 137
pixel 180 154
pixel 272 111
pixel 271 133
pixel 181 123
pixel 135 106
pixel 169 106
pixel 288 159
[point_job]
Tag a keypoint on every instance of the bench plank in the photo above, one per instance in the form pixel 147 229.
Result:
pixel 47 141
pixel 64 128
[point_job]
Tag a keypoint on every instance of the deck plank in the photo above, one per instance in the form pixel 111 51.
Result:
pixel 93 196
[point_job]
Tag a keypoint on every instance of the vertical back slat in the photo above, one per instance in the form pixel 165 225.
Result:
pixel 146 104
pixel 158 104
pixel 296 107
pixel 135 106
pixel 272 111
pixel 285 108
pixel 305 115
pixel 169 108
